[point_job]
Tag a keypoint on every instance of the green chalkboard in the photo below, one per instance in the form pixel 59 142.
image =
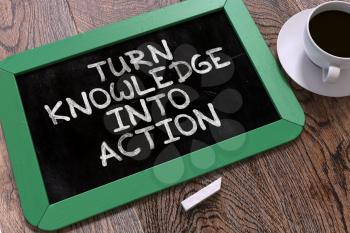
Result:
pixel 132 108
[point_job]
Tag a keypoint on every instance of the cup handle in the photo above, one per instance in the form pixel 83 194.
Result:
pixel 330 74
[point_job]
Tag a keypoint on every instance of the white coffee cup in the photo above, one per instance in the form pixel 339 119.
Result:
pixel 331 65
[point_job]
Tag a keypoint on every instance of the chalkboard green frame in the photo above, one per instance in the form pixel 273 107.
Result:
pixel 34 201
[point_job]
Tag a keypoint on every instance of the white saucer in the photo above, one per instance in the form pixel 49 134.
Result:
pixel 290 49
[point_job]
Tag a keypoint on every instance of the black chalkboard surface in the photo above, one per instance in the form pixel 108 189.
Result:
pixel 69 152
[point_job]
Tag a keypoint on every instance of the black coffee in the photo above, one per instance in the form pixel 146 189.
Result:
pixel 331 32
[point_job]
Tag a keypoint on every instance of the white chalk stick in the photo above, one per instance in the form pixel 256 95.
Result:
pixel 201 195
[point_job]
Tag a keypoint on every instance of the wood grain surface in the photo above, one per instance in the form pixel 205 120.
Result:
pixel 303 186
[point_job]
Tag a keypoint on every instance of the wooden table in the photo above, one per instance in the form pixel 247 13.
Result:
pixel 303 186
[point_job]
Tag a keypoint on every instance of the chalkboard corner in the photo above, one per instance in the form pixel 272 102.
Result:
pixel 297 116
pixel 33 217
